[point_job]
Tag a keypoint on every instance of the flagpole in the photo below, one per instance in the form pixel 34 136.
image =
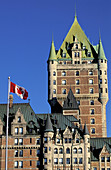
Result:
pixel 6 155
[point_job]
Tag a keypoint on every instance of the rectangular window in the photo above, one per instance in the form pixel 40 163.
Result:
pixel 105 72
pixel 63 91
pixel 75 160
pixel 105 81
pixel 77 82
pixel 45 140
pixel 38 163
pixel 55 160
pixel 77 73
pixel 45 161
pixel 58 140
pixel 16 164
pixel 20 164
pixel 92 121
pixel 30 140
pixel 54 91
pixel 16 141
pixel 106 90
pixel 60 160
pixel 38 141
pixel 63 82
pixel 91 90
pixel 21 130
pixel 101 90
pixel 94 168
pixel 16 153
pixel 20 141
pixel 100 72
pixel 77 91
pixel 54 73
pixel 30 152
pixel 30 163
pixel 54 82
pixel 90 72
pixel 78 102
pixel 16 130
pixel 102 159
pixel 100 81
pixel 91 102
pixel 92 111
pixel 65 140
pixel 93 130
pixel 63 73
pixel 45 149
pixel 90 81
pixel 21 153
pixel 108 159
pixel 67 160
pixel 80 160
pixel 38 152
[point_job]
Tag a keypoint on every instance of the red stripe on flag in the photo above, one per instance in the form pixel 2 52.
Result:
pixel 12 87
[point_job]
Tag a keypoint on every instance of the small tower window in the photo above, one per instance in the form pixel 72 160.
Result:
pixel 89 54
pixel 19 119
pixel 63 82
pixel 91 90
pixel 64 55
pixel 106 90
pixel 76 46
pixel 54 91
pixel 90 81
pixel 105 81
pixel 77 73
pixel 77 91
pixel 63 91
pixel 92 111
pixel 92 121
pixel 91 102
pixel 93 130
pixel 54 82
pixel 105 72
pixel 100 81
pixel 78 54
pixel 54 73
pixel 90 72
pixel 101 60
pixel 78 102
pixel 100 72
pixel 75 54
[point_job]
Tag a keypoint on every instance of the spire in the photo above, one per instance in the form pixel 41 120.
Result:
pixel 86 132
pixel 101 54
pixel 48 126
pixel 75 14
pixel 70 102
pixel 52 55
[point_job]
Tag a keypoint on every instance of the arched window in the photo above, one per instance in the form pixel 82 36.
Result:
pixel 55 151
pixel 80 150
pixel 75 150
pixel 60 151
pixel 68 150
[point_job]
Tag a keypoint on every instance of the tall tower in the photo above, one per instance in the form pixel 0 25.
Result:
pixel 83 67
pixel 103 87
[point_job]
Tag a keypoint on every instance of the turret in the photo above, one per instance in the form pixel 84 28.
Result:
pixel 103 85
pixel 48 146
pixel 86 148
pixel 102 65
pixel 52 74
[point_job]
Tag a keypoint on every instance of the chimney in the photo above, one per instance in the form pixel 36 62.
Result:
pixel 11 101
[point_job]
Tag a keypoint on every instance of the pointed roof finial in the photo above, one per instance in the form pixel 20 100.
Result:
pixel 86 132
pixel 75 14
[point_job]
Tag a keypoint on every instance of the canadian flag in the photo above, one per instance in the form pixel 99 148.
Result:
pixel 20 91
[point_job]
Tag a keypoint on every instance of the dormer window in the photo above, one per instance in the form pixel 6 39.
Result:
pixel 89 54
pixel 84 47
pixel 64 55
pixel 76 46
pixel 19 119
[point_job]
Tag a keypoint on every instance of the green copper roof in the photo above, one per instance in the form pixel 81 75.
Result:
pixel 75 31
pixel 101 54
pixel 48 127
pixel 52 55
pixel 97 145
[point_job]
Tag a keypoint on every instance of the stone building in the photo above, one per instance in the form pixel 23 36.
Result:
pixel 73 136
pixel 83 67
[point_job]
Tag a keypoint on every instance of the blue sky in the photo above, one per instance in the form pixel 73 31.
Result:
pixel 26 28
